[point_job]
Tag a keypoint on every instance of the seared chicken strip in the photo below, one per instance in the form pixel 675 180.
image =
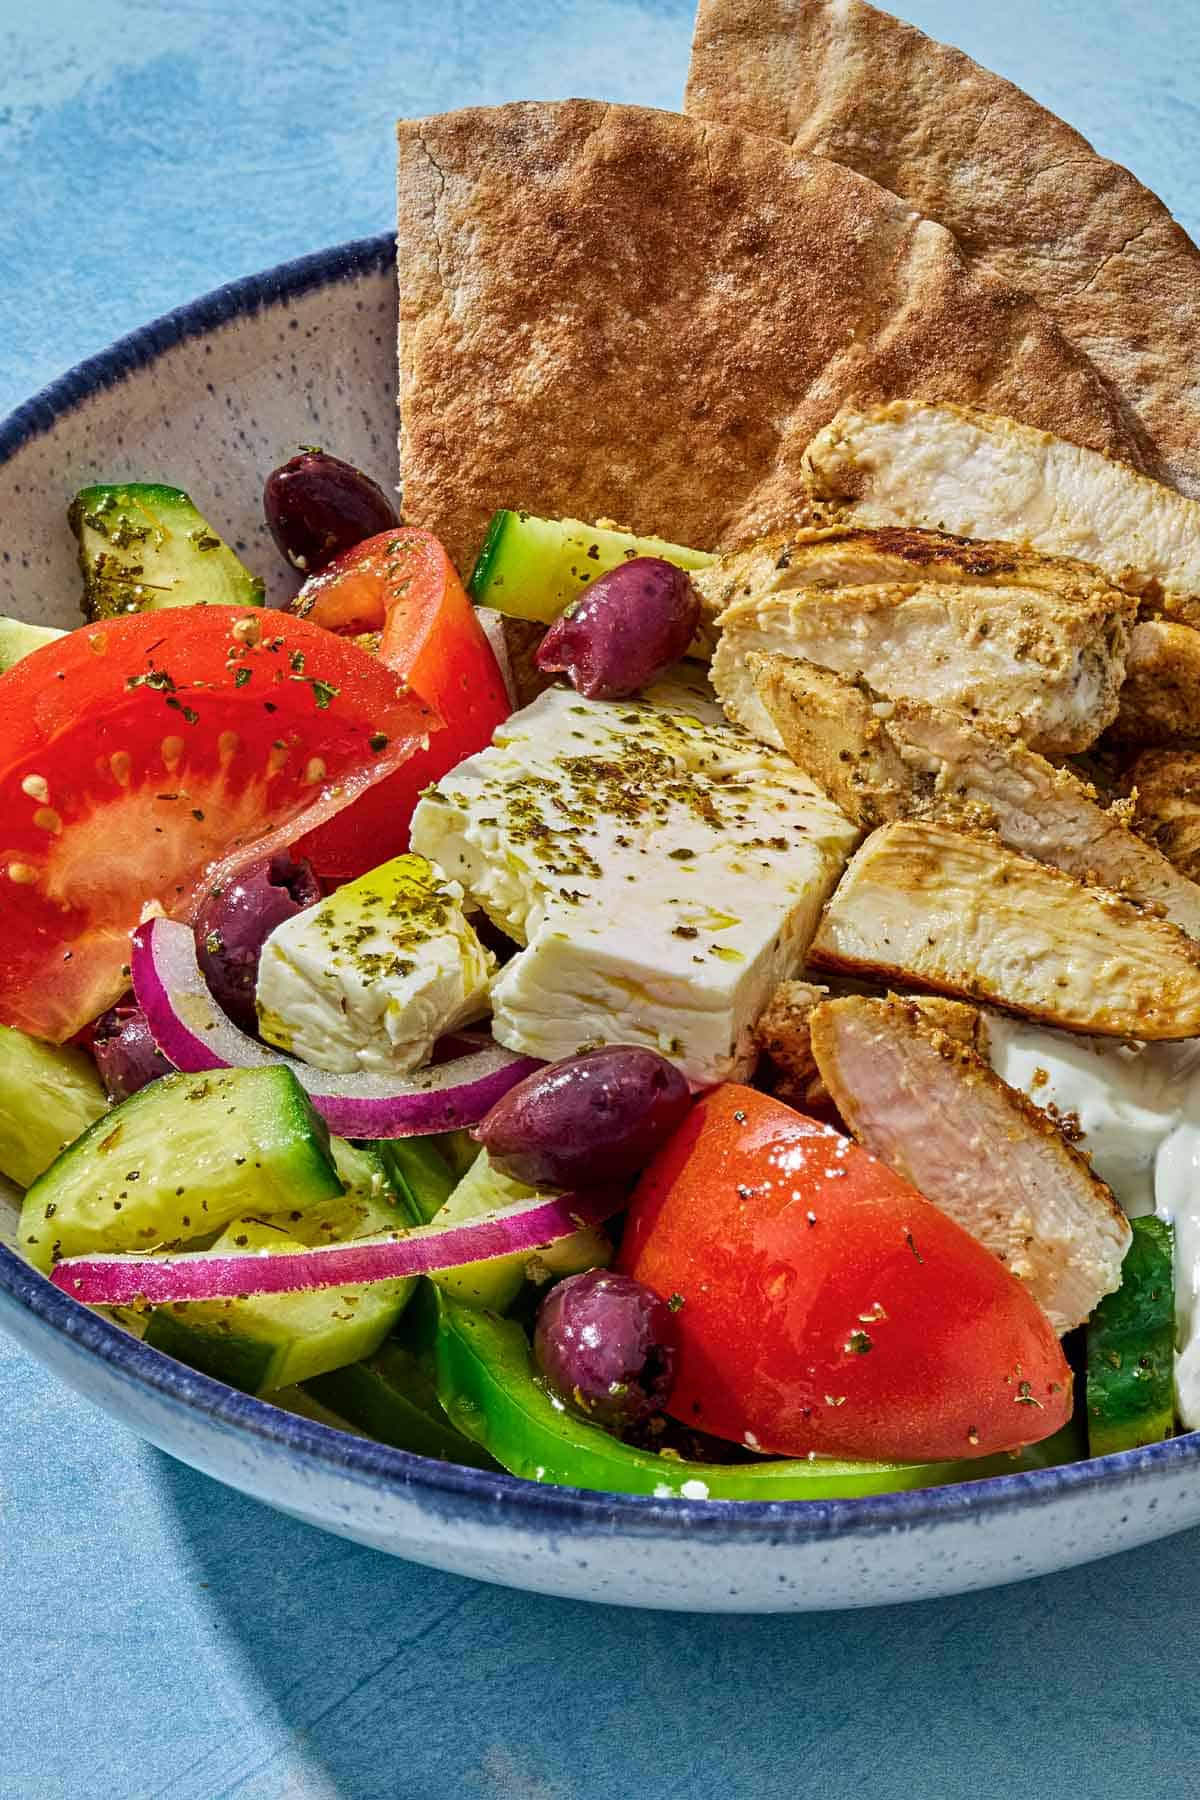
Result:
pixel 892 759
pixel 907 463
pixel 1032 640
pixel 783 1033
pixel 1166 805
pixel 924 906
pixel 931 1109
pixel 1160 700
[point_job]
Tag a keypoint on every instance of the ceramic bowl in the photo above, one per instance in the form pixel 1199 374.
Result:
pixel 210 398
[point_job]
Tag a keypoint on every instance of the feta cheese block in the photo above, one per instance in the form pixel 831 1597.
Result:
pixel 370 977
pixel 662 869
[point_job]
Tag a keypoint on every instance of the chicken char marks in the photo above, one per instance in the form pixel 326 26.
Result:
pixel 975 626
pixel 922 905
pixel 880 760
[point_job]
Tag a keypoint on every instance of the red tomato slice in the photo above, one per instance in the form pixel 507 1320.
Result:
pixel 404 583
pixel 143 758
pixel 826 1305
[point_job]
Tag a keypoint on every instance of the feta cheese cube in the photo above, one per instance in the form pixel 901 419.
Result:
pixel 370 977
pixel 663 870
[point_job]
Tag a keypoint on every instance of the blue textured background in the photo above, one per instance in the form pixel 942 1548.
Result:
pixel 162 1636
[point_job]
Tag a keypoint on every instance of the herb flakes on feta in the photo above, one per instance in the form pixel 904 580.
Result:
pixel 370 977
pixel 663 870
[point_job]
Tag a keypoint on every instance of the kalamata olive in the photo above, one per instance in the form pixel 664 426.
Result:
pixel 125 1053
pixel 628 627
pixel 317 506
pixel 235 922
pixel 590 1121
pixel 607 1344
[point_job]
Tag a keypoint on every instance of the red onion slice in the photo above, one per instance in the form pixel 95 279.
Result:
pixel 194 1034
pixel 208 1275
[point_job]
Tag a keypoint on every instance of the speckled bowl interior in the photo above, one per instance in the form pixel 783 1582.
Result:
pixel 209 399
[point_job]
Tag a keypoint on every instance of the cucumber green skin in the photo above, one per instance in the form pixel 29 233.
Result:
pixel 421 1178
pixel 185 1132
pixel 17 639
pixel 144 547
pixel 392 1396
pixel 532 568
pixel 495 1283
pixel 272 1341
pixel 487 1386
pixel 49 1094
pixel 1131 1348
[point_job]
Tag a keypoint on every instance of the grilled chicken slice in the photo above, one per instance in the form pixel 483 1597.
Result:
pixel 931 1109
pixel 973 626
pixel 908 463
pixel 922 905
pixel 1166 805
pixel 892 759
pixel 783 1034
pixel 1160 701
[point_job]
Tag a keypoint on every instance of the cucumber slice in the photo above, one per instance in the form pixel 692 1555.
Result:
pixel 533 568
pixel 392 1396
pixel 49 1094
pixel 143 546
pixel 271 1341
pixel 179 1160
pixel 496 1283
pixel 17 639
pixel 1131 1348
pixel 420 1175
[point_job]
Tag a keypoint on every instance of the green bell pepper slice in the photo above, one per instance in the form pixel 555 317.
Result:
pixel 487 1385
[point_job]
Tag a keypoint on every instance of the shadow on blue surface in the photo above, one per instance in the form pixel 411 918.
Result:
pixel 377 1680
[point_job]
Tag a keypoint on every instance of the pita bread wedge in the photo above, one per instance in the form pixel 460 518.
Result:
pixel 612 312
pixel 1026 196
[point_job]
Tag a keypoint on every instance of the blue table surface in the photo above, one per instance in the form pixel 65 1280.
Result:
pixel 160 1635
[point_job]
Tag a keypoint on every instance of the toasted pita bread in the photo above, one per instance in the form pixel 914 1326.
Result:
pixel 1027 197
pixel 612 312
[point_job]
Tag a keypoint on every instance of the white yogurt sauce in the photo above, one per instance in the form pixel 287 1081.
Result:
pixel 1136 1108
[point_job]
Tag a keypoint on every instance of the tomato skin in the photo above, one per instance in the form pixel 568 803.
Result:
pixel 143 758
pixel 827 1305
pixel 403 583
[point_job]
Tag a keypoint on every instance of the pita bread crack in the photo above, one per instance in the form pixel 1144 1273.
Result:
pixel 607 311
pixel 1027 197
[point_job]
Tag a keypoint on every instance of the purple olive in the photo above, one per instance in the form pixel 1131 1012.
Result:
pixel 608 1345
pixel 124 1052
pixel 629 626
pixel 317 506
pixel 592 1121
pixel 235 922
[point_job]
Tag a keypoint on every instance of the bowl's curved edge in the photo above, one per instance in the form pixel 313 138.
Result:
pixel 234 299
pixel 518 1503
pixel 523 1503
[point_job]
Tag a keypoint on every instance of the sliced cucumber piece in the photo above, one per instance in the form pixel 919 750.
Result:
pixel 533 568
pixel 496 1283
pixel 420 1175
pixel 143 546
pixel 392 1396
pixel 1131 1348
pixel 49 1094
pixel 17 639
pixel 460 1149
pixel 270 1341
pixel 180 1160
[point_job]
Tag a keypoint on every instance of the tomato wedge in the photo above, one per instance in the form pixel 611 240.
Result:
pixel 142 759
pixel 403 584
pixel 824 1305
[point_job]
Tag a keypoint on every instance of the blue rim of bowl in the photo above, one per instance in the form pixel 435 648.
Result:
pixel 505 1497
